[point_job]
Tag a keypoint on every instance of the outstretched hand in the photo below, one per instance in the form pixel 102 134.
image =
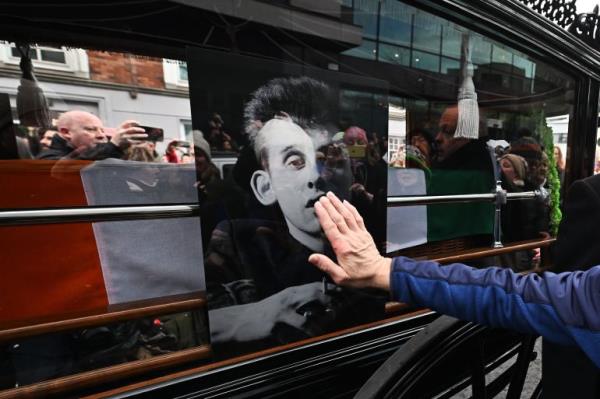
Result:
pixel 359 262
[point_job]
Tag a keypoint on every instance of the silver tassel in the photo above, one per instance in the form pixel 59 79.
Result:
pixel 468 111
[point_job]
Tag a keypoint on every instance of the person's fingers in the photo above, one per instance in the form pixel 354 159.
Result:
pixel 136 136
pixel 337 274
pixel 346 214
pixel 329 227
pixel 133 130
pixel 358 219
pixel 335 216
pixel 128 123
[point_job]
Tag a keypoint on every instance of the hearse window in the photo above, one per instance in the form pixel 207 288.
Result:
pixel 112 152
pixel 518 113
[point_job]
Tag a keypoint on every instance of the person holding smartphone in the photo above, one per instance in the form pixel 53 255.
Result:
pixel 81 135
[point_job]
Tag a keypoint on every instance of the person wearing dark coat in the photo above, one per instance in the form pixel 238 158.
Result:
pixel 60 148
pixel 459 153
pixel 568 372
pixel 81 136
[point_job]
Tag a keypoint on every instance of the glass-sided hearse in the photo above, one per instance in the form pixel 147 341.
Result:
pixel 159 164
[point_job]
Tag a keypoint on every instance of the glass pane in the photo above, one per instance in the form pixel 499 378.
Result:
pixel 427 32
pixel 365 15
pixel 53 56
pixel 366 50
pixel 32 53
pixel 523 66
pixel 394 54
pixel 450 66
pixel 481 48
pixel 89 147
pixel 68 150
pixel 426 61
pixel 451 40
pixel 183 73
pixel 395 23
pixel 500 55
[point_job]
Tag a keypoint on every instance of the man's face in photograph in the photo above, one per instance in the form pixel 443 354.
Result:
pixel 292 176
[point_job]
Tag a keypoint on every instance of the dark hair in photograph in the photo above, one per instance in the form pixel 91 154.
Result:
pixel 307 101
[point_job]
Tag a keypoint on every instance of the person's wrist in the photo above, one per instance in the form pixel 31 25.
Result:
pixel 381 279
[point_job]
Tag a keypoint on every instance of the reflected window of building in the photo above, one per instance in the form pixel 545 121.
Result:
pixel 394 54
pixel 366 15
pixel 427 32
pixel 395 24
pixel 367 50
pixel 425 61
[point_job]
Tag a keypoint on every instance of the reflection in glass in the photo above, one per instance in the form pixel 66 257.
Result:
pixel 394 54
pixel 427 32
pixel 395 23
pixel 367 50
pixel 365 15
pixel 425 61
pixel 41 358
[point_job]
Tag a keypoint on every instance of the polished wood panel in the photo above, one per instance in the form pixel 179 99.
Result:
pixel 112 314
pixel 107 374
pixel 486 252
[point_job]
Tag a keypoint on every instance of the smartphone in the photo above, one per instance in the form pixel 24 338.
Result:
pixel 357 151
pixel 154 133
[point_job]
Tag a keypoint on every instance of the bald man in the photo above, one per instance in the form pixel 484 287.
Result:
pixel 81 136
pixel 460 153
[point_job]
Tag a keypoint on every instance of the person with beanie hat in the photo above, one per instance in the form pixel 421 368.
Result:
pixel 206 170
pixel 200 144
pixel 514 169
pixel 537 160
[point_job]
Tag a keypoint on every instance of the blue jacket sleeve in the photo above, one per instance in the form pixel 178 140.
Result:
pixel 564 308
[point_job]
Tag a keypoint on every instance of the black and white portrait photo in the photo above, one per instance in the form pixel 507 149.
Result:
pixel 262 291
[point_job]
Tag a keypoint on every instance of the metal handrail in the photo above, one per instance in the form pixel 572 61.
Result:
pixel 499 197
pixel 446 199
pixel 96 214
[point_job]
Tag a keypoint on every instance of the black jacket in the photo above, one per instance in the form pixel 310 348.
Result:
pixel 567 371
pixel 250 260
pixel 474 155
pixel 60 148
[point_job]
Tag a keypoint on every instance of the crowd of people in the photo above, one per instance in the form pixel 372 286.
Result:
pixel 521 165
pixel 79 134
